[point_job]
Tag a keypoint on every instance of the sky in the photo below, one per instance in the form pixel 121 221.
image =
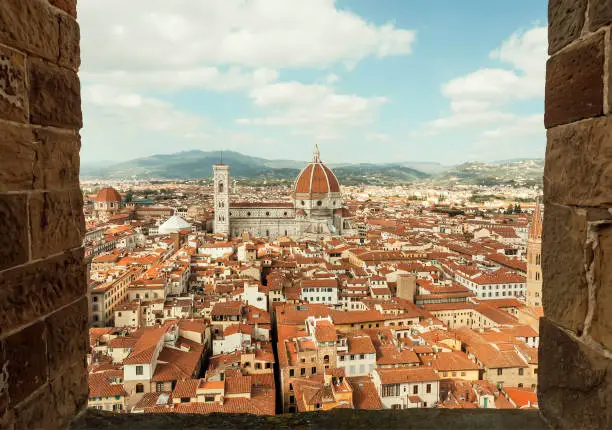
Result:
pixel 380 81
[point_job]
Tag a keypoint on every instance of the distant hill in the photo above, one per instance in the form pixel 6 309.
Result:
pixel 511 172
pixel 198 164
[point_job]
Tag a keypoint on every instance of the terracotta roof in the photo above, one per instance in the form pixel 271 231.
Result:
pixel 407 374
pixel 325 331
pixel 185 388
pixel 316 178
pixel 453 361
pixel 100 386
pixel 365 395
pixel 108 195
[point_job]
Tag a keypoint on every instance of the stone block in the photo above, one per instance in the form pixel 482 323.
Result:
pixel 13 87
pixel 565 22
pixel 578 169
pixel 69 393
pixel 31 26
pixel 58 158
pixel 4 395
pixel 574 83
pixel 67 337
pixel 70 37
pixel 26 362
pixel 565 290
pixel 56 221
pixel 574 382
pixel 600 13
pixel 37 412
pixel 18 169
pixel 68 6
pixel 601 327
pixel 29 292
pixel 13 230
pixel 55 95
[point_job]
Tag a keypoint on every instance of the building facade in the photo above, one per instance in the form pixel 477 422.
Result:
pixel 316 207
pixel 534 259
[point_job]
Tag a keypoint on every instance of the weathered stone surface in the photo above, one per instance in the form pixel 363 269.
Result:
pixel 68 6
pixel 601 327
pixel 58 158
pixel 29 292
pixel 4 395
pixel 56 221
pixel 575 382
pixel 67 337
pixel 30 25
pixel 406 419
pixel 55 95
pixel 13 88
pixel 26 362
pixel 70 36
pixel 69 393
pixel 578 169
pixel 600 13
pixel 37 412
pixel 565 22
pixel 13 230
pixel 574 83
pixel 18 170
pixel 565 292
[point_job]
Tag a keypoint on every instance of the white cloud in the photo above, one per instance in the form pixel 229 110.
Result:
pixel 520 127
pixel 379 137
pixel 316 107
pixel 104 104
pixel 479 97
pixel 204 78
pixel 145 35
pixel 332 78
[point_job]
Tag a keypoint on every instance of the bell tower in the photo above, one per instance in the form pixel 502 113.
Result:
pixel 221 184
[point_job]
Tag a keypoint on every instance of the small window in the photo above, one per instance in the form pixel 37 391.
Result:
pixel 428 388
pixel 139 370
pixel 139 388
pixel 267 213
pixel 499 371
pixel 291 372
pixel 302 202
pixel 415 389
pixel 521 371
pixel 248 213
pixel 319 203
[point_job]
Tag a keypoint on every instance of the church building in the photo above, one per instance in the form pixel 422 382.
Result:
pixel 315 208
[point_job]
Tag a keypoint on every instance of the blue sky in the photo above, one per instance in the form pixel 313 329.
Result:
pixel 368 81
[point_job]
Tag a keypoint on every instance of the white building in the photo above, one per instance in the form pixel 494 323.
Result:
pixel 315 207
pixel 408 387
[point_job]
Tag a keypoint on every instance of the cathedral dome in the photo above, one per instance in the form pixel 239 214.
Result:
pixel 108 195
pixel 316 178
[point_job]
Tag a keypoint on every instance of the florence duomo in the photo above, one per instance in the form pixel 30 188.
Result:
pixel 315 208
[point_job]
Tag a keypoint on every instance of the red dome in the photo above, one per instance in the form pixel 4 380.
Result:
pixel 317 178
pixel 108 195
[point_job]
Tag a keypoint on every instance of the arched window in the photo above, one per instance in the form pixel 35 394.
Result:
pixel 220 188
pixel 326 359
pixel 303 203
pixel 139 388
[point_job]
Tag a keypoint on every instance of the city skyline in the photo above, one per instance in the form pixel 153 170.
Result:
pixel 402 82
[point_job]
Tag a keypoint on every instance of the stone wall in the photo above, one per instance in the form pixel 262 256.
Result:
pixel 43 308
pixel 575 387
